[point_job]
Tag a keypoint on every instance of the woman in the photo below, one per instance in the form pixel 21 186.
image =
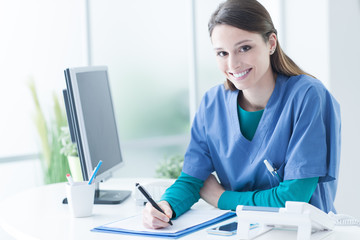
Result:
pixel 268 109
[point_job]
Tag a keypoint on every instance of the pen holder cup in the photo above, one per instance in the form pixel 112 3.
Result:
pixel 80 197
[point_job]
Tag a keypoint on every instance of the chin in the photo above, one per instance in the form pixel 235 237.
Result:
pixel 240 86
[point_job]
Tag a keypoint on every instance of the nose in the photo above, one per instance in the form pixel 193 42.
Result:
pixel 234 62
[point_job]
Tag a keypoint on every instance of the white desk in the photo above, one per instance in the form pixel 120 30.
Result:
pixel 39 214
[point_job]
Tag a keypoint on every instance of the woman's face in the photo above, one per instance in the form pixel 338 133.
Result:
pixel 244 57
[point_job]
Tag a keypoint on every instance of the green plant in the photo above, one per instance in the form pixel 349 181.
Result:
pixel 68 147
pixel 171 167
pixel 54 164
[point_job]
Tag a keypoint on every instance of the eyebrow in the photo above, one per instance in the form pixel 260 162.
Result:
pixel 236 44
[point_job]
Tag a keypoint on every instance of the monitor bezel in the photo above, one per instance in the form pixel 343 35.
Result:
pixel 80 132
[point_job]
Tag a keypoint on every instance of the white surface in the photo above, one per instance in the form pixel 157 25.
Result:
pixel 38 213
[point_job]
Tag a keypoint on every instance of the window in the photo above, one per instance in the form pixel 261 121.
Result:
pixel 38 40
pixel 144 43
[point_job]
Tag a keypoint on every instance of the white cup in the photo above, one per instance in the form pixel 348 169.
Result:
pixel 80 197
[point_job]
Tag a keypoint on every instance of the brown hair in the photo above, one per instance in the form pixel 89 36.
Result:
pixel 251 16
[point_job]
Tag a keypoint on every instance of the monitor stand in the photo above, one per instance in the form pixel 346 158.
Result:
pixel 108 196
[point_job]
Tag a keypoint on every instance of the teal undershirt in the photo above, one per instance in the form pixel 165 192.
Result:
pixel 249 122
pixel 186 189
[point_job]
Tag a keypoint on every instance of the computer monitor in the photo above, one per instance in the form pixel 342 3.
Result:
pixel 92 125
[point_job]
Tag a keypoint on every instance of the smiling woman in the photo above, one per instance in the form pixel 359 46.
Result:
pixel 43 37
pixel 297 120
pixel 245 29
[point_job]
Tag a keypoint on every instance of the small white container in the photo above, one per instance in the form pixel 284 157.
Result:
pixel 80 197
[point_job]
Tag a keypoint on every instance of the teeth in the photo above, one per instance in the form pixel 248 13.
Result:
pixel 240 74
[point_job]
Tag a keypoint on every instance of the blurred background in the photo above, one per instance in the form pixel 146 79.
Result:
pixel 160 63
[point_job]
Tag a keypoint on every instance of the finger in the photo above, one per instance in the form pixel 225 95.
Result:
pixel 168 213
pixel 157 214
pixel 153 223
pixel 154 219
pixel 166 208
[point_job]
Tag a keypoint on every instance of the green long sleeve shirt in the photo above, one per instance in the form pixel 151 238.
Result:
pixel 186 191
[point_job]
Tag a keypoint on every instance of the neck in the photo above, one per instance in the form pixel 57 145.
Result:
pixel 256 98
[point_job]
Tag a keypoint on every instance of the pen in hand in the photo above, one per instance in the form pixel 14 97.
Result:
pixel 149 198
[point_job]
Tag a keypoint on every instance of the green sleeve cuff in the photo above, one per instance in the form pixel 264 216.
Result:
pixel 290 190
pixel 229 200
pixel 183 193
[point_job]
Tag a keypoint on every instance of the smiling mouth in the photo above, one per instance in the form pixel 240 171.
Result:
pixel 241 74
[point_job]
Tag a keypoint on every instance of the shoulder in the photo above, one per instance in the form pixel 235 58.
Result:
pixel 305 83
pixel 304 87
pixel 217 95
pixel 304 90
pixel 217 103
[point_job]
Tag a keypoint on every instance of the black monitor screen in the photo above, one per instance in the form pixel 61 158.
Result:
pixel 92 124
pixel 98 119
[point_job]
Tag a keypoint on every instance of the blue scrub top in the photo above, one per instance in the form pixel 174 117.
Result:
pixel 299 134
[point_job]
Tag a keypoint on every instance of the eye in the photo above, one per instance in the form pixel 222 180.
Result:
pixel 221 54
pixel 245 48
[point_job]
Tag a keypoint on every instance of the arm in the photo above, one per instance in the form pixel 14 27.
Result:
pixel 289 190
pixel 183 193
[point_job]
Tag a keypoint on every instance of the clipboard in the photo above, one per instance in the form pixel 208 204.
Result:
pixel 191 221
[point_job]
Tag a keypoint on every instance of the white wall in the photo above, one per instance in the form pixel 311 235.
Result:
pixel 344 52
pixel 323 38
pixel 306 36
pixel 39 39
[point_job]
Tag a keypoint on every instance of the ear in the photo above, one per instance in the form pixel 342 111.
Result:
pixel 272 43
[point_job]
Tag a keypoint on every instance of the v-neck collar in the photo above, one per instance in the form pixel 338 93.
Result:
pixel 252 147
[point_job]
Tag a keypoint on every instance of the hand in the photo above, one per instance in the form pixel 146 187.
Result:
pixel 211 191
pixel 154 219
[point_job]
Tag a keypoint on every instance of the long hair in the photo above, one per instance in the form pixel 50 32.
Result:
pixel 251 16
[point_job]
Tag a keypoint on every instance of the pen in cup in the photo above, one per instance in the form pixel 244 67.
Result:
pixel 94 172
pixel 69 178
pixel 272 170
pixel 149 198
